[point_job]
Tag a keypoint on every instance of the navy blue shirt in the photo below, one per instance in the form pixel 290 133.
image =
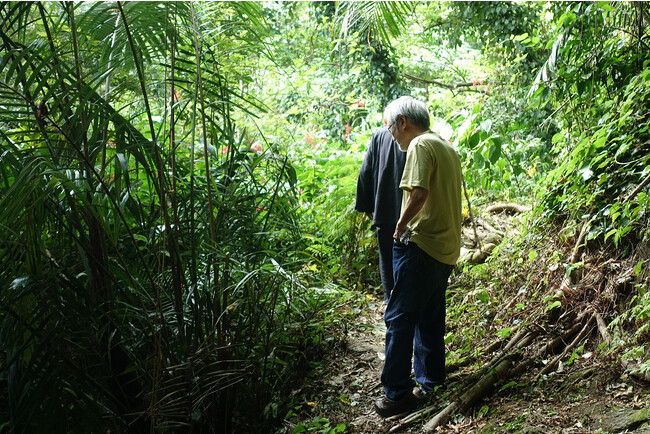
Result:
pixel 378 189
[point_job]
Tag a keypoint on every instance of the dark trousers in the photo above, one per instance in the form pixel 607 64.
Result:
pixel 415 322
pixel 385 242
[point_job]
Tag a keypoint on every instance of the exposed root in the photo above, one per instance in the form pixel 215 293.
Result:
pixel 508 208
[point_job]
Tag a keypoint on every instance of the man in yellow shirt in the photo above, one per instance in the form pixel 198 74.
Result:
pixel 426 247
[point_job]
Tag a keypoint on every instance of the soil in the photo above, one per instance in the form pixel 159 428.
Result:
pixel 588 398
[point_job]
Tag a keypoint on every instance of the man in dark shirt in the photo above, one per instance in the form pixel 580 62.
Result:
pixel 379 196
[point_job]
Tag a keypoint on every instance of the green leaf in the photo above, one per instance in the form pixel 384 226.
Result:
pixel 638 268
pixel 474 140
pixel 553 305
pixel 141 238
pixel 504 332
pixel 495 152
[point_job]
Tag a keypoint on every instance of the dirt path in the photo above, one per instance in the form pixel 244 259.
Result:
pixel 586 399
pixel 591 394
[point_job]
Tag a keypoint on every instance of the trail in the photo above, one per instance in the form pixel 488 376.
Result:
pixel 584 399
pixel 551 375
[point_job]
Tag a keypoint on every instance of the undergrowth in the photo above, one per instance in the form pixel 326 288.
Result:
pixel 531 281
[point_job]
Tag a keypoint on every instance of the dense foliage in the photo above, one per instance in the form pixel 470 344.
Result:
pixel 177 183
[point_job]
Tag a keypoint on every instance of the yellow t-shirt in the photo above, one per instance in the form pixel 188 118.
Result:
pixel 433 164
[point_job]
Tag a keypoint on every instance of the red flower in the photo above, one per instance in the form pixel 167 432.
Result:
pixel 256 147
pixel 309 139
pixel 176 96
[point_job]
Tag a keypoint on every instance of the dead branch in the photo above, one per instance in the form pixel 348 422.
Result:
pixel 516 338
pixel 637 189
pixel 454 87
pixel 480 389
pixel 491 228
pixel 499 343
pixel 602 329
pixel 568 348
pixel 500 368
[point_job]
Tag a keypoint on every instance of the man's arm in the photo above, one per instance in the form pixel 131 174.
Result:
pixel 413 206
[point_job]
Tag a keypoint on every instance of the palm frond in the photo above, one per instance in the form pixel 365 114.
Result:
pixel 373 19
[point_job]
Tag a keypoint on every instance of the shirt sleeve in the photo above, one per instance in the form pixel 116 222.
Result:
pixel 365 199
pixel 420 163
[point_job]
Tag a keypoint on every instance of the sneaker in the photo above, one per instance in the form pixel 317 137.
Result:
pixel 387 408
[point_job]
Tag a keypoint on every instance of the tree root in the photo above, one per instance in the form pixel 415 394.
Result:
pixel 512 208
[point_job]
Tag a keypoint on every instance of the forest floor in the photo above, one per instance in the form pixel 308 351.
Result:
pixel 590 394
pixel 588 398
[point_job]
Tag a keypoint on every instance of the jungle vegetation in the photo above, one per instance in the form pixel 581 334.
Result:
pixel 177 183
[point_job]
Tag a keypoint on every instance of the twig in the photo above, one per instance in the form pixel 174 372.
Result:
pixel 637 189
pixel 441 418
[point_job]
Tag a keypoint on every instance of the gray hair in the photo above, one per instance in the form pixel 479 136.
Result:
pixel 415 111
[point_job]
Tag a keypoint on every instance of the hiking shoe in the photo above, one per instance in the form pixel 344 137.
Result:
pixel 387 408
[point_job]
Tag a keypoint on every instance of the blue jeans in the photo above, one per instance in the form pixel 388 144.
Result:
pixel 415 322
pixel 385 242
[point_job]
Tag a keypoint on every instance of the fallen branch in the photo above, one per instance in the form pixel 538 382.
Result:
pixel 504 369
pixel 482 388
pixel 581 237
pixel 636 373
pixel 568 348
pixel 499 343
